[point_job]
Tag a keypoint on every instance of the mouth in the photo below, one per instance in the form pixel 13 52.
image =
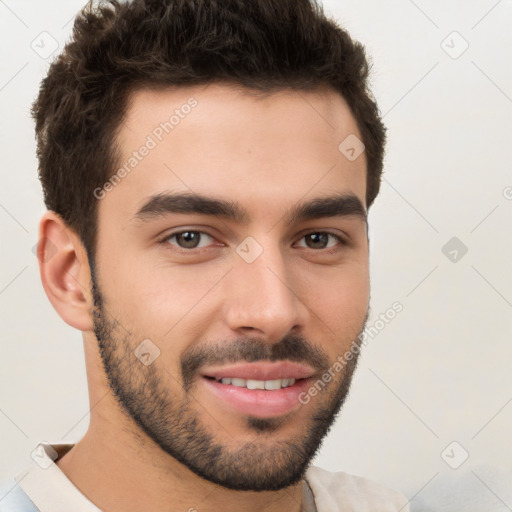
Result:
pixel 262 390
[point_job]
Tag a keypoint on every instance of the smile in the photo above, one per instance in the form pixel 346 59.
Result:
pixel 262 389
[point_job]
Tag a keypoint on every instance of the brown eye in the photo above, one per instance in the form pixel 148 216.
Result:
pixel 188 239
pixel 320 240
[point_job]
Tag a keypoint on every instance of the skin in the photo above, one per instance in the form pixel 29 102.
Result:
pixel 268 154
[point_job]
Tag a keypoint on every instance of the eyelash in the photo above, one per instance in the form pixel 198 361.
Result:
pixel 330 250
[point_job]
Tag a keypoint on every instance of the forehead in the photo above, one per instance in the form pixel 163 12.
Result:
pixel 225 141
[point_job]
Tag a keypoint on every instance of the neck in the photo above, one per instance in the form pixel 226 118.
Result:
pixel 120 470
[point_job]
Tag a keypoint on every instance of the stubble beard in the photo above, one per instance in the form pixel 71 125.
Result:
pixel 181 432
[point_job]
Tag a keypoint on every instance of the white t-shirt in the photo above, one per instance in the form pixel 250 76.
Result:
pixel 44 487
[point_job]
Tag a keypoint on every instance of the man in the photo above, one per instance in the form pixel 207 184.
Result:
pixel 208 169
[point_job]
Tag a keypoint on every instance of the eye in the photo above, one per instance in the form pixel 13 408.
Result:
pixel 320 240
pixel 189 239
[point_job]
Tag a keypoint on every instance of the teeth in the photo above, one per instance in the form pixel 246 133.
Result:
pixel 258 384
pixel 274 384
pixel 255 384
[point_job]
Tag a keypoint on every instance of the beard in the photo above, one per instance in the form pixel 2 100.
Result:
pixel 180 431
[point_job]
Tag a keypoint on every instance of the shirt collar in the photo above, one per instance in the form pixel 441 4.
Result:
pixel 47 486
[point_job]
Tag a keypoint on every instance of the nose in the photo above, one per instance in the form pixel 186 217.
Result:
pixel 263 299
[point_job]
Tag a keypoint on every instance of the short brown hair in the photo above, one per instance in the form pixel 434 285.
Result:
pixel 118 47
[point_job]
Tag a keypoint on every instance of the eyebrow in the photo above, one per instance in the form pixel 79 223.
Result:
pixel 159 205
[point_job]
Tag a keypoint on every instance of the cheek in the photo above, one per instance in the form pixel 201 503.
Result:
pixel 341 304
pixel 352 294
pixel 159 300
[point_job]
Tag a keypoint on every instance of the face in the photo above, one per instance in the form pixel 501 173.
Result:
pixel 231 273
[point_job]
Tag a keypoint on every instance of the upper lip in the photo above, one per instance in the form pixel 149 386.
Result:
pixel 261 371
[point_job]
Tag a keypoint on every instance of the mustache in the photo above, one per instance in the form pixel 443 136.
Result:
pixel 291 348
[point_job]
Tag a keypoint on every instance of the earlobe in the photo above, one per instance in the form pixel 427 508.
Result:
pixel 65 272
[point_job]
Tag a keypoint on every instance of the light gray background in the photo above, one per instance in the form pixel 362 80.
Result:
pixel 440 371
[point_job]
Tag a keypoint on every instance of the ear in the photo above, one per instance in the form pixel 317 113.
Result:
pixel 65 272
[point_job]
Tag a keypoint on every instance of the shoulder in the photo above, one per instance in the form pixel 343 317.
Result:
pixel 14 499
pixel 336 491
pixel 480 487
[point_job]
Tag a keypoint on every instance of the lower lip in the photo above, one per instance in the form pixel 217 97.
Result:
pixel 259 402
